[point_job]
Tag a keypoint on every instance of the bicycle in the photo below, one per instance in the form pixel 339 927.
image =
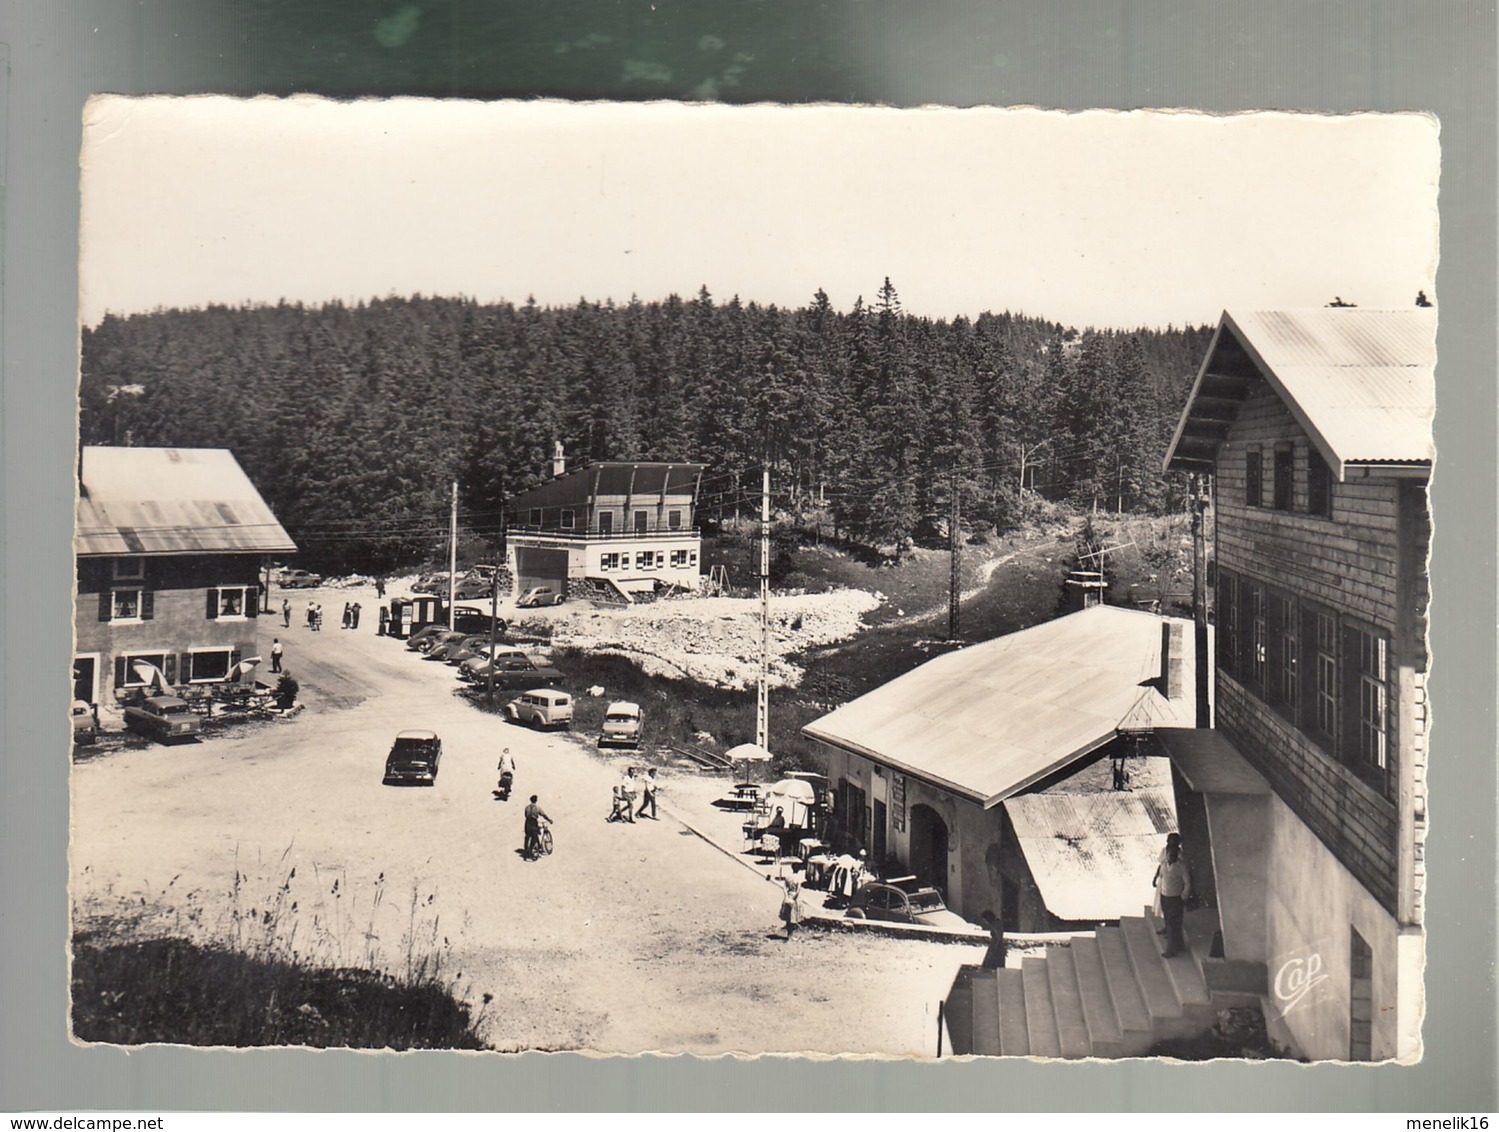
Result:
pixel 544 841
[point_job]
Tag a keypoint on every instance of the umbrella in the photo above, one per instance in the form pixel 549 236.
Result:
pixel 148 672
pixel 243 668
pixel 747 753
pixel 795 797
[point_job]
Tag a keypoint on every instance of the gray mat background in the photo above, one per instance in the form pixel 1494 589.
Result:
pixel 1316 56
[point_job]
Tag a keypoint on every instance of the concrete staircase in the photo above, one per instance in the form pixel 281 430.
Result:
pixel 1109 995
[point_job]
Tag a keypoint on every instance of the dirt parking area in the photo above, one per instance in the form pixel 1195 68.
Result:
pixel 629 938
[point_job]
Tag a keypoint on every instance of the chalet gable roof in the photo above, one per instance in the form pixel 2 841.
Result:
pixel 154 501
pixel 1360 383
pixel 990 720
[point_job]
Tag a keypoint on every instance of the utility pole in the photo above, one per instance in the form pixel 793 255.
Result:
pixel 494 603
pixel 453 558
pixel 1201 659
pixel 762 688
pixel 955 577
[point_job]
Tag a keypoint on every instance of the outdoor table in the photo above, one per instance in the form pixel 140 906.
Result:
pixel 809 847
pixel 818 867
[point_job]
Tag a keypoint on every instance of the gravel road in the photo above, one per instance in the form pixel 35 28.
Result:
pixel 629 938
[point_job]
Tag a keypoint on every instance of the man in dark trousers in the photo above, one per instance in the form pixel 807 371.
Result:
pixel 286 613
pixel 535 815
pixel 276 651
pixel 1174 882
pixel 994 958
pixel 354 616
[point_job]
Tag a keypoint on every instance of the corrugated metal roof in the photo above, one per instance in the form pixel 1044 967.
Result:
pixel 1093 852
pixel 1362 383
pixel 171 501
pixel 643 478
pixel 991 719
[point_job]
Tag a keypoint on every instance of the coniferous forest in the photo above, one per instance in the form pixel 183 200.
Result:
pixel 354 420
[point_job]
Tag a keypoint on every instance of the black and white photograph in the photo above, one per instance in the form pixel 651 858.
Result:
pixel 835 581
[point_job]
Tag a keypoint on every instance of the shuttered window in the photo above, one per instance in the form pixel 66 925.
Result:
pixel 1366 722
pixel 1285 477
pixel 1254 471
pixel 1318 484
pixel 1285 656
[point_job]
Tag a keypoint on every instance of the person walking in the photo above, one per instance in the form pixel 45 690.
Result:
pixel 354 616
pixel 1174 883
pixel 627 795
pixel 648 788
pixel 317 617
pixel 384 627
pixel 276 651
pixel 994 958
pixel 311 613
pixel 380 588
pixel 535 815
pixel 348 614
pixel 286 613
pixel 506 768
pixel 791 905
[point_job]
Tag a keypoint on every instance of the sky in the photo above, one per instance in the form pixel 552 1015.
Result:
pixel 1098 219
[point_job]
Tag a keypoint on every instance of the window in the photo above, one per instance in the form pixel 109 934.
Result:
pixel 1318 484
pixel 568 520
pixel 1285 658
pixel 1369 751
pixel 232 603
pixel 674 520
pixel 1254 471
pixel 606 522
pixel 129 569
pixel 679 559
pixel 1229 637
pixel 608 562
pixel 640 522
pixel 137 669
pixel 1323 639
pixel 1285 479
pixel 644 559
pixel 205 666
pixel 536 516
pixel 1258 635
pixel 126 604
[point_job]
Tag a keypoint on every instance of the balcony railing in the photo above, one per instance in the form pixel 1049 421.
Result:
pixel 606 536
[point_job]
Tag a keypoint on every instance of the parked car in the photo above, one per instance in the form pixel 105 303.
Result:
pixel 430 584
pixel 922 906
pixel 163 718
pixel 510 672
pixel 477 646
pixel 414 757
pixel 475 621
pixel 621 725
pixel 423 636
pixel 298 579
pixel 538 596
pixel 85 723
pixel 446 637
pixel 445 648
pixel 473 586
pixel 542 707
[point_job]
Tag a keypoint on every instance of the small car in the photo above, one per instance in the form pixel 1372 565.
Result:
pixel 445 649
pixel 414 757
pixel 431 584
pixel 621 725
pixel 922 906
pixel 510 672
pixel 473 586
pixel 542 707
pixel 298 580
pixel 446 637
pixel 538 596
pixel 85 723
pixel 424 636
pixel 163 718
pixel 477 647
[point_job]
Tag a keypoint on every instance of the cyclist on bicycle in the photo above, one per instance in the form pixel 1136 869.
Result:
pixel 535 815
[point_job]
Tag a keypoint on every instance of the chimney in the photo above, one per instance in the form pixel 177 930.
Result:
pixel 559 461
pixel 1173 686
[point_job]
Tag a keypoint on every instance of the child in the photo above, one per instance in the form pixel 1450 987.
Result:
pixel 791 907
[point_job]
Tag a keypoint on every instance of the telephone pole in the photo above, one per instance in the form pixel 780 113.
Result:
pixel 955 551
pixel 453 557
pixel 1201 659
pixel 494 603
pixel 762 687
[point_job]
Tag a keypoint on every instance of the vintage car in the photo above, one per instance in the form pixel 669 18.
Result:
pixel 298 579
pixel 85 723
pixel 621 726
pixel 473 586
pixel 414 757
pixel 901 904
pixel 510 671
pixel 538 596
pixel 163 718
pixel 542 707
